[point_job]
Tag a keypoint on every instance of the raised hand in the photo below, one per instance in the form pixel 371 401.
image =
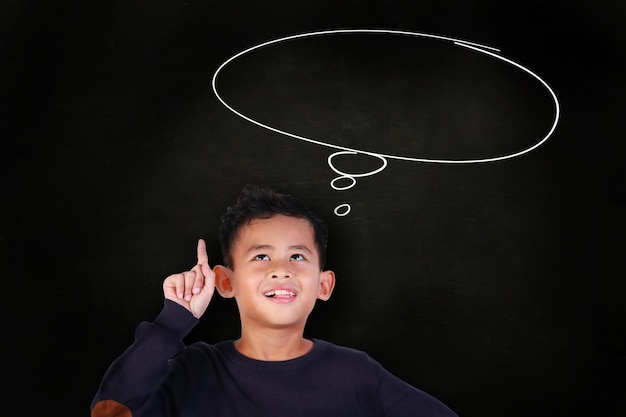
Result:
pixel 192 289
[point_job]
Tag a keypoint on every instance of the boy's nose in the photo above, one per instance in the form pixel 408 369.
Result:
pixel 281 273
pixel 280 270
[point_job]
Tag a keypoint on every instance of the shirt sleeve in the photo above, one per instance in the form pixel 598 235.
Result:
pixel 397 398
pixel 130 385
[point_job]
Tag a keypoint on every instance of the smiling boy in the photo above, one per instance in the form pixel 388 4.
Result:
pixel 274 251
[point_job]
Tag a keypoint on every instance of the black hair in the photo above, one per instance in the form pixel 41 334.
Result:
pixel 263 203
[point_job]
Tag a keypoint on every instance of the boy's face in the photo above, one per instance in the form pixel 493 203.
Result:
pixel 276 277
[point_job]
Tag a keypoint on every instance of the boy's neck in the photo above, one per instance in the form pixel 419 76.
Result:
pixel 273 345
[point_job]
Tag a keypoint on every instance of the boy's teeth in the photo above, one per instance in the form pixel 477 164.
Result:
pixel 279 292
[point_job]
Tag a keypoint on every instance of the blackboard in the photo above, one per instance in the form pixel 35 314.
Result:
pixel 466 155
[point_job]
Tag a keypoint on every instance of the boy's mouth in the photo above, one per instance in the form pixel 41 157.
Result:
pixel 280 294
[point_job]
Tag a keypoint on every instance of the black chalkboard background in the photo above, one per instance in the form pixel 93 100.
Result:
pixel 497 287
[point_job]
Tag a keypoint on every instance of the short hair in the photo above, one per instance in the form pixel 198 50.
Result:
pixel 264 203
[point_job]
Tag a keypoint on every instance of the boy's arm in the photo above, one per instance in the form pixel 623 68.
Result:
pixel 131 383
pixel 399 399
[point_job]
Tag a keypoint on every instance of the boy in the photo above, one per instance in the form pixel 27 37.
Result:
pixel 274 252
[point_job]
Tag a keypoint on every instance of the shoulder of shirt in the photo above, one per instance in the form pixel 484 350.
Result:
pixel 345 352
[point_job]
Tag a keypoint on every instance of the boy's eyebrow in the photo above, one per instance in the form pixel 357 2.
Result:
pixel 303 248
pixel 255 248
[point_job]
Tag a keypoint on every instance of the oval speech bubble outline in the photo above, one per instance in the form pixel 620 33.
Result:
pixel 487 50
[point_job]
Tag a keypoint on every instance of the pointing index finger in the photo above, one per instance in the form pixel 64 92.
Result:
pixel 203 258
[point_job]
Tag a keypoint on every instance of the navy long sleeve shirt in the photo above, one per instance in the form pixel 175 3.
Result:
pixel 159 376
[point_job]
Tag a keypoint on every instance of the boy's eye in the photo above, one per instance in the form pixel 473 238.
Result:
pixel 261 258
pixel 297 257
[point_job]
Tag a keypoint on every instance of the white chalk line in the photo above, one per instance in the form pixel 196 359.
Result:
pixel 344 150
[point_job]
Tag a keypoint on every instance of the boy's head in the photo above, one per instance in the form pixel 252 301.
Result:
pixel 264 203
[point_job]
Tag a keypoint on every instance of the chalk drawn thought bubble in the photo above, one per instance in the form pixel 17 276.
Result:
pixel 390 95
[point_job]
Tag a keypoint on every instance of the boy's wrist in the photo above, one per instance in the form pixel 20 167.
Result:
pixel 176 319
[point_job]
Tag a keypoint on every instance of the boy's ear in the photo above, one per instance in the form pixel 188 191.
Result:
pixel 327 284
pixel 223 281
